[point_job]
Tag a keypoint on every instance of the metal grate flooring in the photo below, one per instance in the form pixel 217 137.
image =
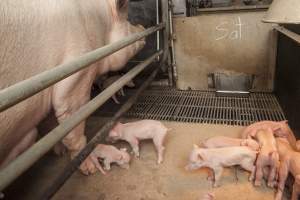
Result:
pixel 205 107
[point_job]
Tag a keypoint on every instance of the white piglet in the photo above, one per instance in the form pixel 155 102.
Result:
pixel 218 158
pixel 110 154
pixel 141 130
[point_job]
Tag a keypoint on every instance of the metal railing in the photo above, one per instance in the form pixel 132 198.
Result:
pixel 27 88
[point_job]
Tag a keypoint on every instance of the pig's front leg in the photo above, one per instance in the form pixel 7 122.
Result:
pixel 283 173
pixel 68 96
pixel 134 143
pixel 217 174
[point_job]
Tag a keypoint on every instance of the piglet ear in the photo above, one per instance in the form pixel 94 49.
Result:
pixel 284 121
pixel 121 4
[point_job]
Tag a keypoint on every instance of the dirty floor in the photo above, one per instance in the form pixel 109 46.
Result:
pixel 145 180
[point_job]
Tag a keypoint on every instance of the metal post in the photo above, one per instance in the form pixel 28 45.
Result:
pixel 25 160
pixel 100 136
pixel 27 88
pixel 172 46
pixel 166 32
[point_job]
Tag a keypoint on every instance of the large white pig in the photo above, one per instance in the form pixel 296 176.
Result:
pixel 38 35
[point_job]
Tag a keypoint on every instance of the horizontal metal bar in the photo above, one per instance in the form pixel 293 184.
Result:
pixel 25 160
pixel 294 36
pixel 100 136
pixel 232 8
pixel 27 88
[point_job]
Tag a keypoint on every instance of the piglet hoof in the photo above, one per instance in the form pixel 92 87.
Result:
pixel 209 178
pixel 159 162
pixel 257 183
pixel 88 167
pixel 215 185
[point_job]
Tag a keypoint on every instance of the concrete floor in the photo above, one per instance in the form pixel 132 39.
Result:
pixel 145 180
pixel 169 181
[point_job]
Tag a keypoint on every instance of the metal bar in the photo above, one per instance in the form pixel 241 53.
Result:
pixel 294 36
pixel 232 8
pixel 25 160
pixel 157 22
pixel 72 166
pixel 172 46
pixel 166 32
pixel 27 88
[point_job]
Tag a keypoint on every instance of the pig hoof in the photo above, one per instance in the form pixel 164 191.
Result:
pixel 216 185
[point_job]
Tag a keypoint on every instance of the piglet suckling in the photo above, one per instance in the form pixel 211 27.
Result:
pixel 289 162
pixel 218 158
pixel 223 141
pixel 110 154
pixel 133 132
pixel 280 129
pixel 267 158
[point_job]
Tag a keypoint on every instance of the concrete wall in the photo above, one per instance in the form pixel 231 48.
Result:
pixel 237 42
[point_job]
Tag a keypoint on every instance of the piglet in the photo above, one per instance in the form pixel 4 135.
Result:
pixel 141 130
pixel 222 141
pixel 110 80
pixel 289 162
pixel 110 154
pixel 218 158
pixel 267 157
pixel 280 129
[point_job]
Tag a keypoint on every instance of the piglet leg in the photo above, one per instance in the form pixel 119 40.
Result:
pixel 97 164
pixel 259 172
pixel 272 176
pixel 134 143
pixel 217 173
pixel 107 164
pixel 114 97
pixel 295 192
pixel 283 173
pixel 158 142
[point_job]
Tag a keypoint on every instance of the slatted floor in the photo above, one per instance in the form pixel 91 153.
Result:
pixel 205 107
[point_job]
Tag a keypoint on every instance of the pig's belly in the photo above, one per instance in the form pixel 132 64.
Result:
pixel 19 120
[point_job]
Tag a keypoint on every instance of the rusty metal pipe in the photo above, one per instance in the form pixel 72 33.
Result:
pixel 26 159
pixel 27 88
